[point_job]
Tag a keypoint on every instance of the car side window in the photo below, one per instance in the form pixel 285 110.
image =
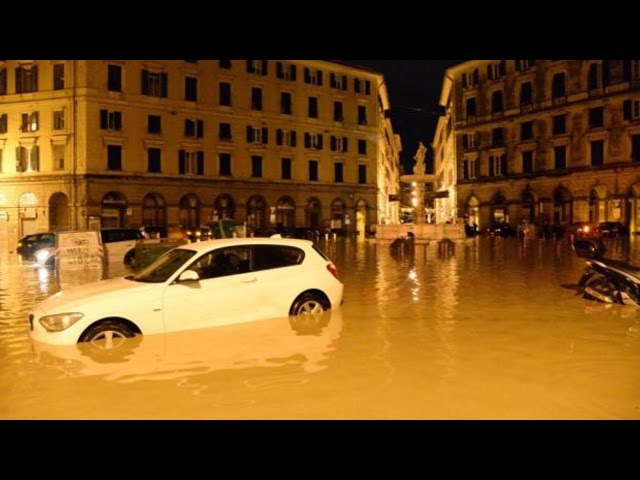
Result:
pixel 222 262
pixel 266 257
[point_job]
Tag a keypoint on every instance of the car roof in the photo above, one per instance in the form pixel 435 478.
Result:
pixel 235 242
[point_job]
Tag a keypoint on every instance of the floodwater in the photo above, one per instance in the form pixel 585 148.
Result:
pixel 486 329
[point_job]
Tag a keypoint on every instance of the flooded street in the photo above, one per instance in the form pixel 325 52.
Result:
pixel 486 329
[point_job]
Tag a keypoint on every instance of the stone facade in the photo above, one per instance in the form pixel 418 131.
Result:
pixel 548 142
pixel 291 143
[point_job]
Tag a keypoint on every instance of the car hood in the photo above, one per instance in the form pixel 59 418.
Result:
pixel 103 290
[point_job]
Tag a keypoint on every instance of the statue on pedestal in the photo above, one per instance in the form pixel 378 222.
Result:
pixel 419 168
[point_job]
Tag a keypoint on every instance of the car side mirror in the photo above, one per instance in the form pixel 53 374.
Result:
pixel 189 276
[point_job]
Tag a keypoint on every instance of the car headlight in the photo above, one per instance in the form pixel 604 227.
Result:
pixel 42 256
pixel 60 321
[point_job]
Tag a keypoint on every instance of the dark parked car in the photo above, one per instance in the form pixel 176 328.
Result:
pixel 501 230
pixel 29 244
pixel 585 230
pixel 613 229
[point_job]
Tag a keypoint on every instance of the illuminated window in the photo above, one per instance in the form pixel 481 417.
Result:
pixel 497 165
pixel 58 157
pixel 469 168
pixel 339 144
pixel 30 122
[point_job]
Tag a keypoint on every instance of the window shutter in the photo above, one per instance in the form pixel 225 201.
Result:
pixel 465 170
pixel 200 161
pixel 250 66
pixel 19 73
pixel 279 70
pixel 265 67
pixel 164 85
pixel 104 119
pixel 250 135
pixel 200 128
pixel 332 80
pixel 34 78
pixel 319 77
pixel 145 82
pixel 292 72
pixel 278 137
pixel 307 140
pixel 367 87
pixel 35 158
pixel 307 76
pixel 332 143
pixel 19 159
pixel 356 85
pixel 117 120
pixel 491 170
pixel 24 125
pixel 181 162
pixel 319 141
pixel 265 135
pixel 344 82
pixel 627 109
pixel 292 136
pixel 345 144
pixel 503 161
pixel 465 141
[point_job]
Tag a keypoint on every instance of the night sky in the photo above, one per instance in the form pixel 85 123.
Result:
pixel 414 92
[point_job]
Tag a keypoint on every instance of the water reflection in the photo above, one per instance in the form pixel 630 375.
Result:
pixel 301 342
pixel 491 328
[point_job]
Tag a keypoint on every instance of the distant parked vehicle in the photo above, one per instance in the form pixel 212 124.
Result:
pixel 501 230
pixel 30 244
pixel 585 230
pixel 613 229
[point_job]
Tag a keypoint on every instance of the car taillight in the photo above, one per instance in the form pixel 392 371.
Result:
pixel 332 268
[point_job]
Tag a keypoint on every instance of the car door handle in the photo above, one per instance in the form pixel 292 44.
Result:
pixel 249 280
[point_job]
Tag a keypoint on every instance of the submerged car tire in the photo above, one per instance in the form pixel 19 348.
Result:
pixel 309 304
pixel 107 335
pixel 600 288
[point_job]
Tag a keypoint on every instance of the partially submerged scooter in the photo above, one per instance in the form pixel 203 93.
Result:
pixel 605 279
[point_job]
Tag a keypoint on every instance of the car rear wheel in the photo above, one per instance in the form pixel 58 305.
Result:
pixel 129 257
pixel 107 335
pixel 309 304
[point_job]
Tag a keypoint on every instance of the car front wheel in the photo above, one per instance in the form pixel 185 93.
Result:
pixel 309 304
pixel 107 335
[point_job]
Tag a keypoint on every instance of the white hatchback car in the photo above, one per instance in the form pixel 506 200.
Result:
pixel 217 282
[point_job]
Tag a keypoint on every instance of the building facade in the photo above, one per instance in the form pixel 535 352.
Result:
pixel 288 143
pixel 548 142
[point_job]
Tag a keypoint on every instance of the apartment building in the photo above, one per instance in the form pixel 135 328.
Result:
pixel 549 142
pixel 290 143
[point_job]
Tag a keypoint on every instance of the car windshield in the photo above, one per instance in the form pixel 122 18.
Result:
pixel 165 266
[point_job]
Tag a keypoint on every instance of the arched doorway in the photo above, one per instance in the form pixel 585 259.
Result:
pixel 286 212
pixel 224 208
pixel 499 212
pixel 28 213
pixel 257 212
pixel 313 213
pixel 473 211
pixel 561 206
pixel 114 210
pixel 190 211
pixel 529 207
pixel 58 212
pixel 154 211
pixel 337 214
pixel 362 220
